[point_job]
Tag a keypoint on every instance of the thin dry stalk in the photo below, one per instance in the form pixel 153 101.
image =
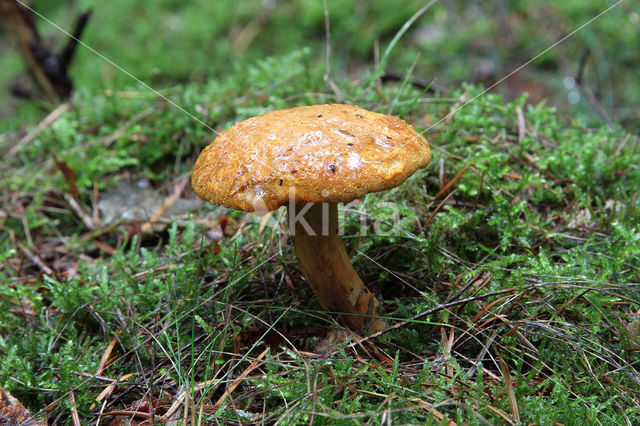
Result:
pixel 178 190
pixel 74 409
pixel 509 387
pixel 452 181
pixel 51 118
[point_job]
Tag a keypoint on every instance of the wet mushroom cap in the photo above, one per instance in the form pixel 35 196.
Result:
pixel 325 153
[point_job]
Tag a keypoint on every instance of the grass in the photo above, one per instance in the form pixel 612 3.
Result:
pixel 550 213
pixel 454 42
pixel 525 223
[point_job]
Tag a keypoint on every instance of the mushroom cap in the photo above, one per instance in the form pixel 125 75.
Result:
pixel 319 153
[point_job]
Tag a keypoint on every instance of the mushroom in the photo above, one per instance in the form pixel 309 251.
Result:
pixel 311 158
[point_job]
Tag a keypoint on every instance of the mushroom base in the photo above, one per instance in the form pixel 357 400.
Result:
pixel 327 267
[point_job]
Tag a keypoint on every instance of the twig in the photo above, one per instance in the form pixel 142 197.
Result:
pixel 240 378
pixel 94 376
pixel 127 413
pixel 105 356
pixel 327 31
pixel 430 409
pixel 462 101
pixel 68 174
pixel 535 133
pixel 101 231
pixel 441 174
pixel 314 397
pixel 500 413
pixel 485 348
pixel 509 386
pixel 107 391
pixel 482 276
pixel 179 188
pixel 200 386
pixel 49 70
pixel 108 140
pixel 35 259
pixel 447 343
pixel 70 48
pixel 48 121
pixel 74 409
pixel 433 214
pixel 521 124
pixel 587 91
pixel 433 310
pixel 77 209
pixel 619 148
pixel 429 86
pixel 452 181
pixel 19 24
pixel 484 309
pixel 475 202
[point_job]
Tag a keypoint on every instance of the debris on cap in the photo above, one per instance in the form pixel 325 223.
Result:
pixel 321 153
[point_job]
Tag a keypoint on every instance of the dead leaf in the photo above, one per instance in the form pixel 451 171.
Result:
pixel 634 333
pixel 581 219
pixel 12 412
pixel 68 174
pixel 330 343
pixel 614 205
pixel 137 204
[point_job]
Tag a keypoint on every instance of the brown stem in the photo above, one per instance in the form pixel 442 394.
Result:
pixel 17 22
pixel 48 69
pixel 327 267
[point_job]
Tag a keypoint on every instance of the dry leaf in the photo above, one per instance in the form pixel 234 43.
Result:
pixel 12 412
pixel 137 204
pixel 69 175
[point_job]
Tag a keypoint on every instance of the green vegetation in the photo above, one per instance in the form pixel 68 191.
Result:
pixel 163 42
pixel 532 214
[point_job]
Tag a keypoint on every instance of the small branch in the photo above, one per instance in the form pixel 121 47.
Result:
pixel 178 190
pixel 18 23
pixel 521 124
pixel 127 413
pixel 239 380
pixel 44 124
pixel 452 181
pixel 66 54
pixel 74 410
pixel 433 310
pixel 509 387
pixel 47 69
pixel 480 278
pixel 587 91
pixel 35 259
pixel 582 65
pixel 420 83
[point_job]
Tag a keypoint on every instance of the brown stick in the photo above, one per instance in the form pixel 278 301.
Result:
pixel 327 267
pixel 47 69
pixel 24 35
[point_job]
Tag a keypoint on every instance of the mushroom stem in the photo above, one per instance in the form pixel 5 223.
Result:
pixel 327 267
